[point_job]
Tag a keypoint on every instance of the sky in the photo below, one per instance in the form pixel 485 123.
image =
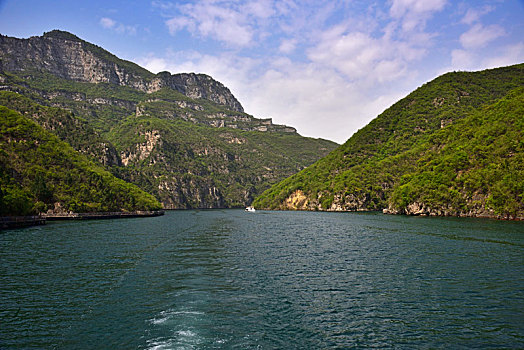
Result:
pixel 326 68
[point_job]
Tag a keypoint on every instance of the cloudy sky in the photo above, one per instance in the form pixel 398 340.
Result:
pixel 324 67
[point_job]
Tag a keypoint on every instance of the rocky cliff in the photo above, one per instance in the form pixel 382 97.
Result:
pixel 182 137
pixel 66 56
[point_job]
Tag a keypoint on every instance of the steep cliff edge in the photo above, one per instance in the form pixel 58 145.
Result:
pixel 66 56
pixel 183 138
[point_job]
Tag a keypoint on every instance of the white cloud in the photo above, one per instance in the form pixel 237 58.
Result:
pixel 235 72
pixel 414 13
pixel 360 56
pixel 471 60
pixel 313 97
pixel 163 5
pixel 287 46
pixel 317 101
pixel 126 29
pixel 351 64
pixel 259 8
pixel 107 22
pixel 473 14
pixel 154 64
pixel 479 48
pixel 216 20
pixel 400 8
pixel 248 23
pixel 510 54
pixel 341 83
pixel 178 23
pixel 479 36
pixel 462 59
pixel 120 28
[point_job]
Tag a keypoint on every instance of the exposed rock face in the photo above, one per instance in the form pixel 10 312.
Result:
pixel 136 123
pixel 109 155
pixel 349 202
pixel 297 201
pixel 196 86
pixel 143 150
pixel 66 56
pixel 187 194
pixel 421 209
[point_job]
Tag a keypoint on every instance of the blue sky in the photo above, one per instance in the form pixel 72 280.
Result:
pixel 324 67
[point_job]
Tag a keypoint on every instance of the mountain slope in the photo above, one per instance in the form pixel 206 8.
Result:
pixel 66 56
pixel 362 173
pixel 190 165
pixel 184 137
pixel 472 168
pixel 38 172
pixel 75 131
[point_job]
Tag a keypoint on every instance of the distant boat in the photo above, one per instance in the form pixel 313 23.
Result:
pixel 250 209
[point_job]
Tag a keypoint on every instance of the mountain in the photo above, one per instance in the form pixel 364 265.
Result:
pixel 66 56
pixel 184 138
pixel 454 146
pixel 41 173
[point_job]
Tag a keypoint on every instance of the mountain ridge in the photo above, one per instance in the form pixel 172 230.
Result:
pixel 189 149
pixel 363 173
pixel 66 56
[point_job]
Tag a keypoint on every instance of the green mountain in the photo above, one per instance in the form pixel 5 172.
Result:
pixel 184 138
pixel 452 147
pixel 39 172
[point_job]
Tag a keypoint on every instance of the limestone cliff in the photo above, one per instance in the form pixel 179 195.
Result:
pixel 182 137
pixel 67 56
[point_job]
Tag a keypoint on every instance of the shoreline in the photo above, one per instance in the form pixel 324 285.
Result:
pixel 386 211
pixel 103 215
pixel 13 222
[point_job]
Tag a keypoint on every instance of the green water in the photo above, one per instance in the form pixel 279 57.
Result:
pixel 227 279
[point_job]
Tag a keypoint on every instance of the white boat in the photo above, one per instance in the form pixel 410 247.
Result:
pixel 250 209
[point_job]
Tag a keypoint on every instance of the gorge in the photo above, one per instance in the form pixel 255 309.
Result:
pixel 184 138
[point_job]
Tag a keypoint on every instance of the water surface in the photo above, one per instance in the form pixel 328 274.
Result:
pixel 230 279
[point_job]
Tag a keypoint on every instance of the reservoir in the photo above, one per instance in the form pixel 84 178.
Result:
pixel 229 279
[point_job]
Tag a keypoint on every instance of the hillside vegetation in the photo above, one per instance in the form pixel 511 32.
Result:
pixel 474 167
pixel 451 147
pixel 39 172
pixel 184 138
pixel 190 165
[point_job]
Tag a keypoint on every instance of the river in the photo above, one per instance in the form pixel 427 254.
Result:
pixel 228 279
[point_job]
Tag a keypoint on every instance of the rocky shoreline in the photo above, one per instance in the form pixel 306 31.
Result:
pixel 7 222
pixel 102 215
pixel 419 209
pixel 10 222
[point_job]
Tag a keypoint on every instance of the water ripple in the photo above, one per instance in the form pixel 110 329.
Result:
pixel 224 279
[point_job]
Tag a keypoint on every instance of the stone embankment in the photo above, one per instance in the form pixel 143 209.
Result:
pixel 103 215
pixel 10 222
pixel 7 222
